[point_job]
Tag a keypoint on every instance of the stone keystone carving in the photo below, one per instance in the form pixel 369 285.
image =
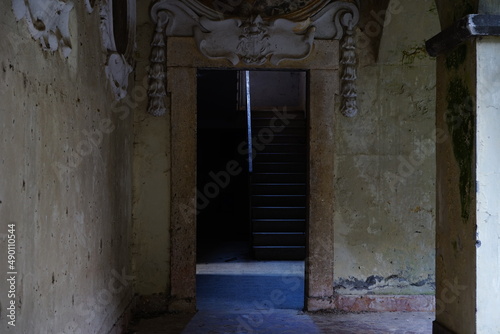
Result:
pixel 253 45
pixel 253 39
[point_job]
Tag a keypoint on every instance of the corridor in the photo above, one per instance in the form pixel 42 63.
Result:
pixel 240 296
pixel 356 141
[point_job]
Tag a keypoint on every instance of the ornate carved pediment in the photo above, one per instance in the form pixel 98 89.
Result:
pixel 254 41
pixel 254 32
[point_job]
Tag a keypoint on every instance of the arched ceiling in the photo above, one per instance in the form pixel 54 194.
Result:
pixel 366 11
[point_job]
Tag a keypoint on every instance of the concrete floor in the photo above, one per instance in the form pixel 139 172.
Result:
pixel 238 296
pixel 286 322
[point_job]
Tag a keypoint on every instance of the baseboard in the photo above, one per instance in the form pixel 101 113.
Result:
pixel 317 304
pixel 121 318
pixel 122 324
pixel 160 303
pixel 374 303
pixel 186 305
pixel 437 328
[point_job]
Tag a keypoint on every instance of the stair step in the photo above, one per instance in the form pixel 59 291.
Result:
pixel 264 131
pixel 279 239
pixel 280 138
pixel 285 253
pixel 281 212
pixel 276 113
pixel 278 188
pixel 284 148
pixel 278 167
pixel 278 200
pixel 278 125
pixel 279 177
pixel 278 185
pixel 274 225
pixel 280 157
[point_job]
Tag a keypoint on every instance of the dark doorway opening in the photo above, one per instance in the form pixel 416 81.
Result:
pixel 222 173
pixel 251 198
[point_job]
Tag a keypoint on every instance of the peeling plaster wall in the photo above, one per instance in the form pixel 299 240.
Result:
pixel 151 209
pixel 66 182
pixel 385 164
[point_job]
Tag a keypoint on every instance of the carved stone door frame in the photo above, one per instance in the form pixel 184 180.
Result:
pixel 323 68
pixel 304 39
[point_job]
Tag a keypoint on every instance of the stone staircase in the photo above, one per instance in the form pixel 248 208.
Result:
pixel 278 186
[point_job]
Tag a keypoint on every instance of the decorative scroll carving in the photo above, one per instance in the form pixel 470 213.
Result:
pixel 254 39
pixel 48 22
pixel 117 65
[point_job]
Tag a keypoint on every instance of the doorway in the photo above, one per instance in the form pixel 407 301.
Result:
pixel 321 98
pixel 251 198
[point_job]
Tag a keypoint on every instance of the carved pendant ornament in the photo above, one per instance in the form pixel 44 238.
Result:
pixel 254 32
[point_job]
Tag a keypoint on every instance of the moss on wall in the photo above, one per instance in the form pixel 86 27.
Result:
pixel 412 54
pixel 456 57
pixel 460 121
